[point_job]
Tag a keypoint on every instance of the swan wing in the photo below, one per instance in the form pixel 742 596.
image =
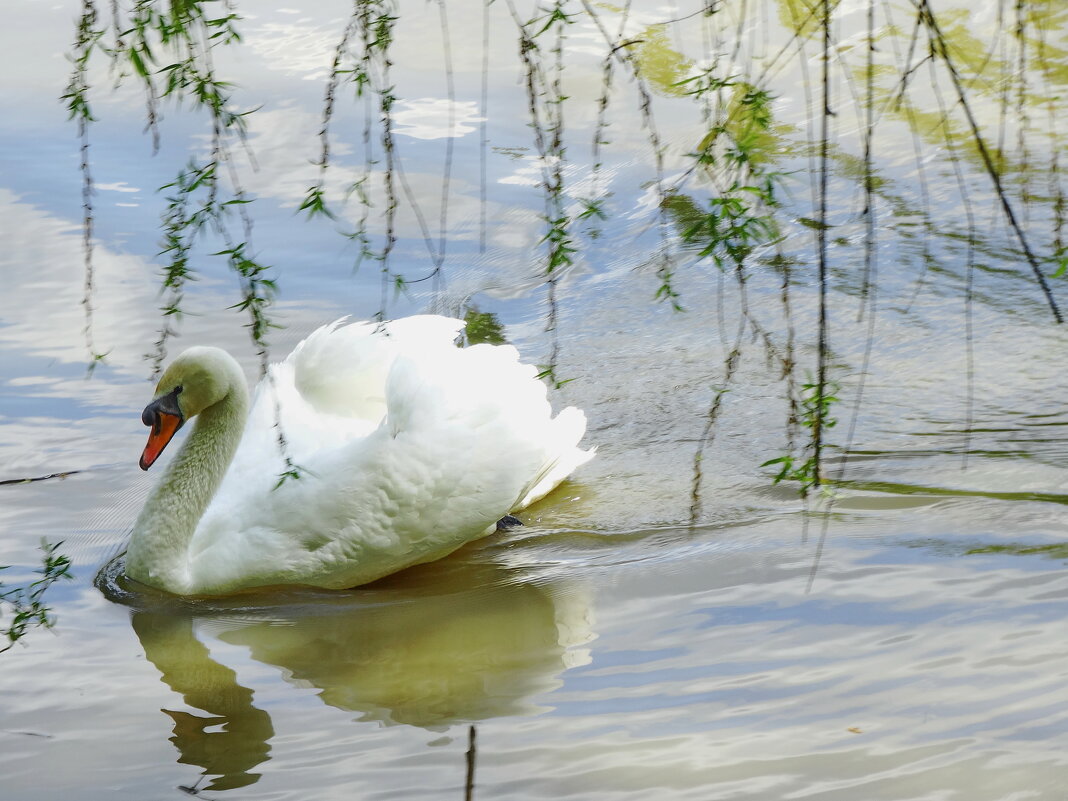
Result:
pixel 342 369
pixel 464 436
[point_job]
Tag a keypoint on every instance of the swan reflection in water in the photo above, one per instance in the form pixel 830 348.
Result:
pixel 455 641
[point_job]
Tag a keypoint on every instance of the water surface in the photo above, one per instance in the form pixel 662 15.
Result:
pixel 906 641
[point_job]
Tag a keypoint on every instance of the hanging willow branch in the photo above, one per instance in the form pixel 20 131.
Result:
pixel 938 43
pixel 76 97
pixel 167 49
pixel 620 50
pixel 545 104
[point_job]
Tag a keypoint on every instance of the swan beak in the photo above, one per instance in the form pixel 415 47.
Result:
pixel 165 417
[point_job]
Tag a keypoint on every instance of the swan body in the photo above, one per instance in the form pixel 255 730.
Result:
pixel 406 447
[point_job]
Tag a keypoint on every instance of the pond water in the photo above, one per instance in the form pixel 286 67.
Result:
pixel 905 640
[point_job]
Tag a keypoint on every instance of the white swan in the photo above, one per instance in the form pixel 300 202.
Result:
pixel 407 445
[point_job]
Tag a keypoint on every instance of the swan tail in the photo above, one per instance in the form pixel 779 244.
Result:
pixel 568 429
pixel 500 405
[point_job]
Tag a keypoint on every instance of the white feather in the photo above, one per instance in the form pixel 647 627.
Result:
pixel 408 447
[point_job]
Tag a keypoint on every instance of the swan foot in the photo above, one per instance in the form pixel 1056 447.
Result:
pixel 508 522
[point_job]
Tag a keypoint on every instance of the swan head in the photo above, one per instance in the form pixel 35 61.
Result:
pixel 200 377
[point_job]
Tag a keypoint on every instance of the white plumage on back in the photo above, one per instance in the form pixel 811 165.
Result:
pixel 408 447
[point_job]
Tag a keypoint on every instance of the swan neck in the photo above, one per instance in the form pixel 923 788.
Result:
pixel 159 548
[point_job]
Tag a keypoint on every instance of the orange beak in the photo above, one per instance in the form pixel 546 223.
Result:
pixel 164 428
pixel 165 417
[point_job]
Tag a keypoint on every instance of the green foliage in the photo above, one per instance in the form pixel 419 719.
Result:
pixel 741 138
pixel 167 49
pixel 734 155
pixel 1056 550
pixel 315 203
pixel 293 472
pixel 86 40
pixel 366 68
pixel 556 15
pixel 25 604
pixel 1060 258
pixel 483 327
pixel 545 104
pixel 666 290
pixel 815 413
pixel 592 209
pixel 660 64
pixel 258 293
pixel 730 230
pixel 561 247
pixel 548 373
pixel 76 97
